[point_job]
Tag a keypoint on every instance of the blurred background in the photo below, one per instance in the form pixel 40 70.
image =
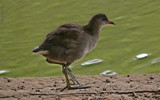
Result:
pixel 129 47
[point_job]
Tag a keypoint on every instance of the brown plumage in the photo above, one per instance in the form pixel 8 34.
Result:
pixel 70 42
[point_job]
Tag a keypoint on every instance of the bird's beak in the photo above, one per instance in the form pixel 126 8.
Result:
pixel 110 22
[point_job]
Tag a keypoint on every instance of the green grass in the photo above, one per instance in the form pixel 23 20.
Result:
pixel 26 23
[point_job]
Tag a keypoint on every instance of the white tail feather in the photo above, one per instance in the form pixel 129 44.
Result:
pixel 43 52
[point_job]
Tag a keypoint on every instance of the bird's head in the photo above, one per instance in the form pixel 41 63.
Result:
pixel 101 19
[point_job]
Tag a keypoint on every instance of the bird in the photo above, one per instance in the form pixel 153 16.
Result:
pixel 71 42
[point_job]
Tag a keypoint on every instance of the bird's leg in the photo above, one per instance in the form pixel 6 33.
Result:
pixel 74 80
pixel 65 68
pixel 67 71
pixel 72 76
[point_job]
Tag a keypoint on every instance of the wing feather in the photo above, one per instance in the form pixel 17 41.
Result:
pixel 65 37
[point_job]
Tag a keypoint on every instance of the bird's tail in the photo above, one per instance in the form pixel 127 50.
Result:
pixel 40 51
pixel 35 50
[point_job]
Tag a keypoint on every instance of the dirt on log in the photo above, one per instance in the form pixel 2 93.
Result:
pixel 117 87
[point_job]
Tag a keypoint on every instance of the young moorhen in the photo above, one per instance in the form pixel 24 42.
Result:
pixel 70 42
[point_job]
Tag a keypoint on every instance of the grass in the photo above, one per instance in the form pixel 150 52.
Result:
pixel 26 22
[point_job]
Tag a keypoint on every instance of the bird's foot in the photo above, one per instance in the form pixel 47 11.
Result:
pixel 77 86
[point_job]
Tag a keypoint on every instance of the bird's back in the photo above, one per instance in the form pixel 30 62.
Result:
pixel 69 43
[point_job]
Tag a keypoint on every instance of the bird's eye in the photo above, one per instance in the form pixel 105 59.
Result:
pixel 104 19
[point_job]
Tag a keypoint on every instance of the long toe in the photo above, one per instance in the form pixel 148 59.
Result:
pixel 81 86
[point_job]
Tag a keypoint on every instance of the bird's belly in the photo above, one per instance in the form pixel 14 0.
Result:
pixel 56 60
pixel 56 54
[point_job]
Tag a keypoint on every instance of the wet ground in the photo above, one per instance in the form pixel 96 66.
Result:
pixel 117 87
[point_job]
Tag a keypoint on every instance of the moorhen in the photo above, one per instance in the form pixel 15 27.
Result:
pixel 70 42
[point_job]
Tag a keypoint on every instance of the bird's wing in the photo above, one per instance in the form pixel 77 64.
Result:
pixel 64 37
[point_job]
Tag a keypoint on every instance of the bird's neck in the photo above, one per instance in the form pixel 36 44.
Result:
pixel 93 28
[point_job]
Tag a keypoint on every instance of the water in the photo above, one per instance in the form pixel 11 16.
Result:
pixel 90 62
pixel 157 60
pixel 26 23
pixel 3 71
pixel 108 72
pixel 141 56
